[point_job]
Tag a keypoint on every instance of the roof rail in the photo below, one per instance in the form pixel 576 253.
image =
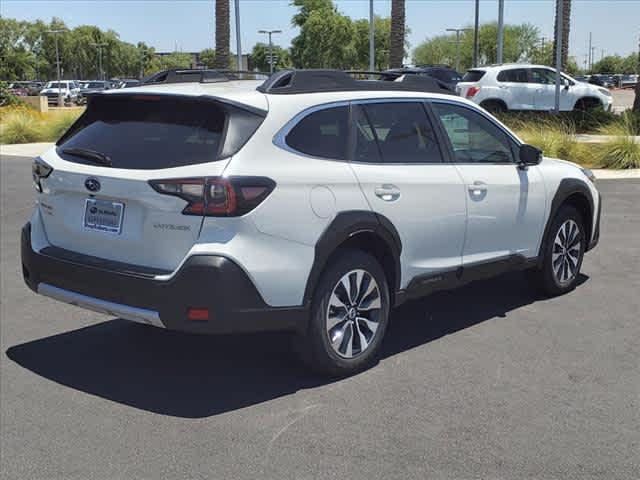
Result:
pixel 187 75
pixel 314 81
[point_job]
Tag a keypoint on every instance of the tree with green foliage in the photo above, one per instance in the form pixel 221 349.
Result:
pixel 617 64
pixel 208 57
pixel 325 39
pixel 519 43
pixel 361 43
pixel 260 57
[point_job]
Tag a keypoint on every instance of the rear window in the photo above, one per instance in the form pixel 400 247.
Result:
pixel 153 132
pixel 473 76
pixel 324 133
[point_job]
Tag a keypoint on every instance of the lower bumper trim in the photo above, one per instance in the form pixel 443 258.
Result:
pixel 134 314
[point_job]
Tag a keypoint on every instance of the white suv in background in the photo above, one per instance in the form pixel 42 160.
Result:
pixel 69 90
pixel 499 88
pixel 314 203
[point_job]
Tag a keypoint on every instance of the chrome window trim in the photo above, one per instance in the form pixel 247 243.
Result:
pixel 279 139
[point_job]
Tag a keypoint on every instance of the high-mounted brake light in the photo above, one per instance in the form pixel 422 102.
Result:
pixel 217 196
pixel 471 92
pixel 39 170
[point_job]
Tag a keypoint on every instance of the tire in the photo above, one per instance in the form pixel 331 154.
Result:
pixel 564 249
pixel 494 106
pixel 587 105
pixel 333 313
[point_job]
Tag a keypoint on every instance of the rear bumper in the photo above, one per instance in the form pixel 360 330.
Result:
pixel 204 281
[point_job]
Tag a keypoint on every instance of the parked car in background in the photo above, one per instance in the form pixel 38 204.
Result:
pixel 446 76
pixel 128 83
pixel 68 89
pixel 92 86
pixel 581 78
pixel 26 88
pixel 629 80
pixel 498 88
pixel 607 81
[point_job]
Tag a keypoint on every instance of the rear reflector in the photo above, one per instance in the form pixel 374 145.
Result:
pixel 198 314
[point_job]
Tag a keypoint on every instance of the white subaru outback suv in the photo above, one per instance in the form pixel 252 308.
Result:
pixel 314 203
pixel 498 88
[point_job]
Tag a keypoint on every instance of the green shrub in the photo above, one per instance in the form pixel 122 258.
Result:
pixel 580 122
pixel 20 125
pixel 58 124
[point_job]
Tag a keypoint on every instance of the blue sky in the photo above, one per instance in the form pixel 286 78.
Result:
pixel 189 24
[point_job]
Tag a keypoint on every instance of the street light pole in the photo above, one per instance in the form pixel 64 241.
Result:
pixel 458 30
pixel 55 36
pixel 372 37
pixel 560 11
pixel 500 31
pixel 270 32
pixel 476 35
pixel 238 47
pixel 99 46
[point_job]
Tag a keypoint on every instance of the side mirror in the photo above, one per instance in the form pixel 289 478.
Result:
pixel 529 155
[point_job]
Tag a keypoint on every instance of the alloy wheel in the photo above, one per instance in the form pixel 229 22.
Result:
pixel 353 313
pixel 565 257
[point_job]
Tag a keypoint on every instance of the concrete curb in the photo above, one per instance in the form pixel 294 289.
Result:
pixel 34 149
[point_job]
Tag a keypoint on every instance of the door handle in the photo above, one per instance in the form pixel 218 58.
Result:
pixel 477 188
pixel 387 192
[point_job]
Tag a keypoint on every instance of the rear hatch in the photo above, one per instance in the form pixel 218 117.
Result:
pixel 468 86
pixel 99 199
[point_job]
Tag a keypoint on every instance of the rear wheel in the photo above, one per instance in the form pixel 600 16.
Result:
pixel 563 253
pixel 494 106
pixel 349 316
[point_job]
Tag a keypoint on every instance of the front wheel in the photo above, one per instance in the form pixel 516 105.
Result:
pixel 563 253
pixel 349 316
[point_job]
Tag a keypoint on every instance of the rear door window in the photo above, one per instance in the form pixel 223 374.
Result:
pixel 324 133
pixel 515 75
pixel 155 131
pixel 403 133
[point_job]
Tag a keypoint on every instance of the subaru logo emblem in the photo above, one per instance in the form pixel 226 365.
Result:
pixel 92 184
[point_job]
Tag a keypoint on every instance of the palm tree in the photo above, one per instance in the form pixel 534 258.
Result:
pixel 566 27
pixel 222 34
pixel 396 36
pixel 636 103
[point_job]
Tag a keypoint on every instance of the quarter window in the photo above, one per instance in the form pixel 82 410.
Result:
pixel 324 133
pixel 474 138
pixel 402 131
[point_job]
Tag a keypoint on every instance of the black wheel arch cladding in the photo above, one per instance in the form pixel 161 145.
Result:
pixel 345 226
pixel 569 191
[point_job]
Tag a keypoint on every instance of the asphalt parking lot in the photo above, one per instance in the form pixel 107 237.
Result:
pixel 486 382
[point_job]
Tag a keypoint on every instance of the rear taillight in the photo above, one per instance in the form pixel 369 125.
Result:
pixel 472 91
pixel 217 196
pixel 39 170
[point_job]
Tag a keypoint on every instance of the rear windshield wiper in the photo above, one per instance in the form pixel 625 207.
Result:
pixel 95 157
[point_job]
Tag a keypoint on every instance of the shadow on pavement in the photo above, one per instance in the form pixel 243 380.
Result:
pixel 194 376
